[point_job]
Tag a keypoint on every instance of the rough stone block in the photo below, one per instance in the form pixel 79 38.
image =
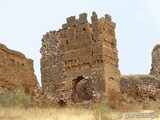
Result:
pixel 108 17
pixel 71 21
pixel 83 18
pixel 94 17
pixel 65 26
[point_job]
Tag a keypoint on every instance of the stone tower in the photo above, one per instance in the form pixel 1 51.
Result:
pixel 155 70
pixel 80 61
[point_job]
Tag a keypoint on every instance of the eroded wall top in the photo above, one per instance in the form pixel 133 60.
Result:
pixel 16 70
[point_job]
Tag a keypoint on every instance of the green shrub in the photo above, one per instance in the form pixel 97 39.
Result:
pixel 18 99
pixel 12 101
pixel 153 105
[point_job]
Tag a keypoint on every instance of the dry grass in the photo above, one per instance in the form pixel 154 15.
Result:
pixel 55 114
pixel 20 107
pixel 45 114
pixel 63 114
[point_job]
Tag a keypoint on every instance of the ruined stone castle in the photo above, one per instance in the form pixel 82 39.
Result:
pixel 80 62
pixel 79 65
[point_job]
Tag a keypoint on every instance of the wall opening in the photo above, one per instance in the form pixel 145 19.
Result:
pixel 61 103
pixel 84 29
pixel 77 80
pixel 74 83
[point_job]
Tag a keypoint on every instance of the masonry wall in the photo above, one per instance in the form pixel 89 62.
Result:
pixel 144 87
pixel 81 52
pixel 155 70
pixel 141 87
pixel 16 70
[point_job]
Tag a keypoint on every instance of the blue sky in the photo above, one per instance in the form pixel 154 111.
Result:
pixel 24 22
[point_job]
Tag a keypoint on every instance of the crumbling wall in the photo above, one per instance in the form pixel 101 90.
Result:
pixel 80 50
pixel 52 61
pixel 155 70
pixel 16 70
pixel 141 87
pixel 144 87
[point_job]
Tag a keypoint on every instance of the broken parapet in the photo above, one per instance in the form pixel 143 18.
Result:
pixel 80 61
pixel 155 70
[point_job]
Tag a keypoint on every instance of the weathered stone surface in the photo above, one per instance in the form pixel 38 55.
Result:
pixel 15 70
pixel 155 70
pixel 144 87
pixel 94 17
pixel 80 61
pixel 141 87
pixel 108 17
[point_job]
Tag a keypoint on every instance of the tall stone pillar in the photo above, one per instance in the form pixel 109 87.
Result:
pixel 155 70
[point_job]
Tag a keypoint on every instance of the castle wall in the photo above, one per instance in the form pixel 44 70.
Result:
pixel 16 70
pixel 144 87
pixel 155 70
pixel 141 87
